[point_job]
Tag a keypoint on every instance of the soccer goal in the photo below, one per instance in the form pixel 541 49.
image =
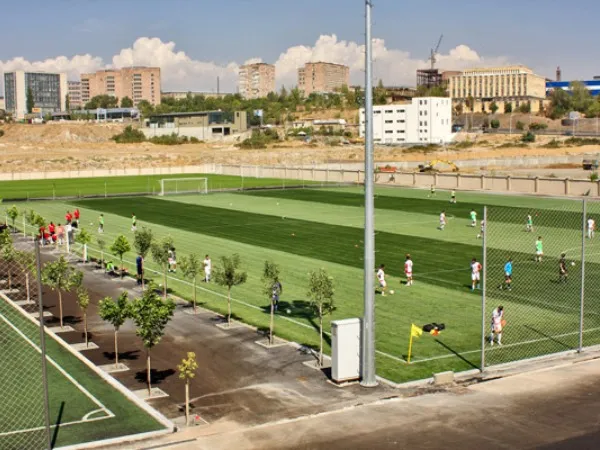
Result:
pixel 173 186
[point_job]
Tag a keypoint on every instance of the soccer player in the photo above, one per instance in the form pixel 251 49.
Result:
pixel 60 233
pixel 563 272
pixel 172 260
pixel 133 222
pixel 442 220
pixel 482 231
pixel 539 249
pixel 508 269
pixel 591 228
pixel 497 319
pixel 139 265
pixel 475 274
pixel 453 196
pixel 408 270
pixel 277 290
pixel 207 268
pixel 51 228
pixel 381 278
pixel 473 215
pixel 101 223
pixel 432 191
pixel 68 217
pixel 76 217
pixel 529 225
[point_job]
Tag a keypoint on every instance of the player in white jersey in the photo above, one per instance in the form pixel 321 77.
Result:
pixel 381 279
pixel 207 263
pixel 480 235
pixel 442 220
pixel 475 274
pixel 591 228
pixel 497 325
pixel 408 270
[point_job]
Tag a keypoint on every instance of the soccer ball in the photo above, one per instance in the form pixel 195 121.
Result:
pixel 392 292
pixel 572 263
pixel 277 203
pixel 478 236
pixel 91 223
pixel 288 311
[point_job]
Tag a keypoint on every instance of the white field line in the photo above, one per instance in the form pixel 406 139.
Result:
pixel 62 424
pixel 109 414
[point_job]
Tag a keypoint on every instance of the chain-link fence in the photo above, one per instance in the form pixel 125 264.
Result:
pixel 23 380
pixel 540 293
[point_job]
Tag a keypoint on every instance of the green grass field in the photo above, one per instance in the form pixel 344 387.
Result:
pixel 83 407
pixel 100 186
pixel 306 229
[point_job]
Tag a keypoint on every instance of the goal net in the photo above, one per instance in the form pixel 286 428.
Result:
pixel 172 186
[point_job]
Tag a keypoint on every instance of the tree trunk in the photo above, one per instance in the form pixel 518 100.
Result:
pixel 165 281
pixel 60 307
pixel 85 328
pixel 187 402
pixel 116 348
pixel 148 373
pixel 271 323
pixel 229 307
pixel 122 267
pixel 195 294
pixel 9 278
pixel 321 336
pixel 143 284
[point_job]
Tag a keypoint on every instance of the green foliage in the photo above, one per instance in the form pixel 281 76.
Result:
pixel 508 108
pixel 560 103
pixel 528 137
pixel 538 126
pixel 525 108
pixel 115 312
pixel 102 101
pixel 13 213
pixel 126 102
pixel 67 103
pixel 228 275
pixel 83 300
pixel 30 217
pixel 495 124
pixel 259 140
pixel 142 241
pixel 321 292
pixel 580 142
pixel 187 368
pixel 270 278
pixel 169 139
pixel 594 176
pixel 60 276
pixel 129 136
pixel 309 131
pixel 83 237
pixel 554 143
pixel 494 107
pixel 160 255
pixel 581 98
pixel 190 267
pixel 594 109
pixel 520 126
pixel 119 247
pixel 29 102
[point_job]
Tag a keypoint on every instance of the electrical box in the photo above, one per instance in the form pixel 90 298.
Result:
pixel 345 350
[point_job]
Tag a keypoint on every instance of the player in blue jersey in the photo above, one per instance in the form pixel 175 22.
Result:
pixel 508 270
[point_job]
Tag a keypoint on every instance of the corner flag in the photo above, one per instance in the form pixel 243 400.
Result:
pixel 415 331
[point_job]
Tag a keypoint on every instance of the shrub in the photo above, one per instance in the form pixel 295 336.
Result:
pixel 578 142
pixel 195 140
pixel 259 140
pixel 538 126
pixel 169 139
pixel 520 126
pixel 463 145
pixel 129 136
pixel 552 144
pixel 528 137
pixel 333 142
pixel 594 176
pixel 495 124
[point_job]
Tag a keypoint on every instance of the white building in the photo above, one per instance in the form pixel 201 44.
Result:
pixel 49 91
pixel 428 120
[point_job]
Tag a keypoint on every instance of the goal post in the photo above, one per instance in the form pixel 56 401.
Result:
pixel 174 186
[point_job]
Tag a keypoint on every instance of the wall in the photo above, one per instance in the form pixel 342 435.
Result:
pixel 202 133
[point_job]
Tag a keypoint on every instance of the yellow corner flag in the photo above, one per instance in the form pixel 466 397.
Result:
pixel 415 331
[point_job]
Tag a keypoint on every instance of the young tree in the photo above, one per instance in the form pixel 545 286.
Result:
pixel 142 241
pixel 160 255
pixel 321 291
pixel 581 98
pixel 191 266
pixel 116 312
pixel 508 108
pixel 67 103
pixel 494 107
pixel 101 245
pixel 12 213
pixel 187 371
pixel 83 300
pixel 29 102
pixel 119 247
pixel 126 102
pixel 271 288
pixel 61 277
pixel 84 238
pixel 151 315
pixel 227 275
pixel 9 254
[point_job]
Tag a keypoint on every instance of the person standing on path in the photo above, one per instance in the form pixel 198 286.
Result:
pixel 139 265
pixel 207 263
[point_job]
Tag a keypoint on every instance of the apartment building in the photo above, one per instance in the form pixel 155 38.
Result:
pixel 427 120
pixel 49 91
pixel 137 83
pixel 74 88
pixel 256 80
pixel 501 85
pixel 322 78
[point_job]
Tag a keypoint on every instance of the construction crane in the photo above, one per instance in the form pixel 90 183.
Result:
pixel 433 58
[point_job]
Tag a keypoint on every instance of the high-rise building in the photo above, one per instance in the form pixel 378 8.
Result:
pixel 136 83
pixel 322 77
pixel 256 80
pixel 75 94
pixel 477 89
pixel 49 92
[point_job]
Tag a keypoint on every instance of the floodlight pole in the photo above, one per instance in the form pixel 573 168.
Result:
pixel 368 377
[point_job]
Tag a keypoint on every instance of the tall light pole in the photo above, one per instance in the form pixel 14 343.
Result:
pixel 368 377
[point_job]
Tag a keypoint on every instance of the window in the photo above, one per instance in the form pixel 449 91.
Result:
pixel 421 123
pixel 400 121
pixel 377 112
pixel 424 113
pixel 400 111
pixel 389 111
pixel 400 131
pixel 389 121
pixel 425 123
pixel 389 131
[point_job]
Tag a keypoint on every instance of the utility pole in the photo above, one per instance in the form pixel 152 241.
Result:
pixel 368 377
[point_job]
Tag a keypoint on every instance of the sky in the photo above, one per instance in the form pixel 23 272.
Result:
pixel 196 41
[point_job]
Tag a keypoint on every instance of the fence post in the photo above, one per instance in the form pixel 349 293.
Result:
pixel 582 294
pixel 536 183
pixel 414 178
pixel 567 186
pixel 508 183
pixel 482 182
pixel 458 178
pixel 484 287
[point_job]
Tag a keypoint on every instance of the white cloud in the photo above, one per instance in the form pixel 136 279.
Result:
pixel 181 72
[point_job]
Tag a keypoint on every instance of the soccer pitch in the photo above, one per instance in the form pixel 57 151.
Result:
pixel 83 407
pixel 306 229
